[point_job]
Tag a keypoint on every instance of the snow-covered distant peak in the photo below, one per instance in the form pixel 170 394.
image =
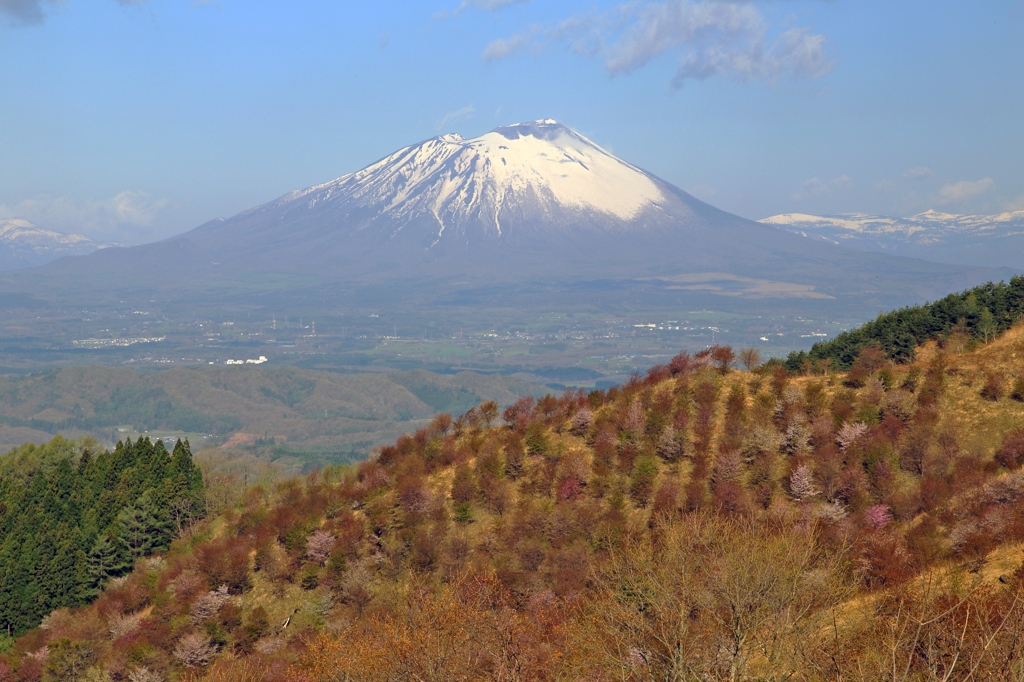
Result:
pixel 933 235
pixel 25 232
pixel 867 222
pixel 793 218
pixel 24 244
pixel 542 163
pixel 932 214
pixel 1009 216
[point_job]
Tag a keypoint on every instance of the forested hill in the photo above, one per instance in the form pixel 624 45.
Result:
pixel 697 523
pixel 323 417
pixel 980 313
pixel 71 519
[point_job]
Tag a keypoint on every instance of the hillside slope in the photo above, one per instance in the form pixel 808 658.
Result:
pixel 843 527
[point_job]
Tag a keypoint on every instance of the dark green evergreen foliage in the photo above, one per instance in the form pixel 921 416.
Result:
pixel 69 525
pixel 984 311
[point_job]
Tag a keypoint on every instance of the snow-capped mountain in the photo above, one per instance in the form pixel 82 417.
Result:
pixel 531 198
pixel 943 237
pixel 464 187
pixel 522 186
pixel 525 203
pixel 24 245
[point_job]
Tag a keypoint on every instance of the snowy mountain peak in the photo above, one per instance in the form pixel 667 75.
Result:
pixel 932 214
pixel 24 244
pixel 532 173
pixel 932 235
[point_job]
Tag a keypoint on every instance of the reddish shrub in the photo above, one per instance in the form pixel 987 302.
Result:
pixel 723 357
pixel 413 494
pixel 464 488
pixel 519 414
pixel 31 670
pixel 994 388
pixel 1011 452
pixel 668 501
pixel 225 561
pixel 572 569
pixel 569 488
pixel 372 474
pixel 731 499
pixel 681 364
pixel 657 374
pixel 882 559
pixel 696 494
pixel 934 492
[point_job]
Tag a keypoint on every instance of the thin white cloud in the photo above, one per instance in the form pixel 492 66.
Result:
pixel 452 116
pixel 710 38
pixel 1015 204
pixel 917 173
pixel 965 189
pixel 123 216
pixel 818 188
pixel 504 47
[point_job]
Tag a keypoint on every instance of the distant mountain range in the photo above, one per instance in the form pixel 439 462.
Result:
pixel 523 203
pixel 992 240
pixel 25 245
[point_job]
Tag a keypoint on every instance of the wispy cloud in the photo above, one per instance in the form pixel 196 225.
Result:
pixel 965 189
pixel 917 173
pixel 711 38
pixel 819 188
pixel 452 116
pixel 504 47
pixel 124 216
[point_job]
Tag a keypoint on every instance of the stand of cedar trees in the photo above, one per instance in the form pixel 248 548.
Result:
pixel 70 521
pixel 979 313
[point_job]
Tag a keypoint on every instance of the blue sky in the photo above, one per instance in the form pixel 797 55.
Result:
pixel 131 120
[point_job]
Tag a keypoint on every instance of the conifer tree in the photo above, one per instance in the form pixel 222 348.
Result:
pixel 106 560
pixel 68 525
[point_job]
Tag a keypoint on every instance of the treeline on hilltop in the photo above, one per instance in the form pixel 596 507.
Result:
pixel 71 519
pixel 979 313
pixel 694 523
